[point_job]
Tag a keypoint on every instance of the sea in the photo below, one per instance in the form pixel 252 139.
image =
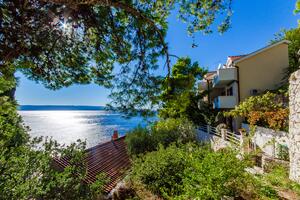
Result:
pixel 67 124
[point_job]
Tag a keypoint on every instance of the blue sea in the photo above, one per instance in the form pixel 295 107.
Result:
pixel 67 124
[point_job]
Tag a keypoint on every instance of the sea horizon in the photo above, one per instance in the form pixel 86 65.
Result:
pixel 60 107
pixel 68 123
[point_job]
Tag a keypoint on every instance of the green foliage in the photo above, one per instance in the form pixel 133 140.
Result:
pixel 212 175
pixel 60 43
pixel 294 47
pixel 180 96
pixel 174 130
pixel 278 178
pixel 191 171
pixel 264 102
pixel 297 9
pixel 140 90
pixel 283 152
pixel 26 165
pixel 268 192
pixel 29 172
pixel 141 140
pixel 162 171
pixel 265 110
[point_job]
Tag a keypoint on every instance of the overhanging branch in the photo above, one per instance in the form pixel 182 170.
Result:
pixel 127 8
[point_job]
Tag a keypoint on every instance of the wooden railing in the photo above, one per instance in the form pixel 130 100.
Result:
pixel 232 137
pixel 214 131
pixel 226 135
pixel 203 127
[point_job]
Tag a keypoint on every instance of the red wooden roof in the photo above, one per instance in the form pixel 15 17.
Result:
pixel 110 158
pixel 233 58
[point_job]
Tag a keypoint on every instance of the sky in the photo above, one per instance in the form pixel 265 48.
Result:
pixel 254 23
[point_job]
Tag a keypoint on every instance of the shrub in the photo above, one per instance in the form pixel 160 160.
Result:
pixel 161 171
pixel 213 175
pixel 277 177
pixel 268 191
pixel 283 152
pixel 139 141
pixel 174 130
pixel 267 110
pixel 191 171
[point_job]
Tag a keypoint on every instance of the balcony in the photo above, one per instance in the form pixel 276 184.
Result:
pixel 225 102
pixel 224 76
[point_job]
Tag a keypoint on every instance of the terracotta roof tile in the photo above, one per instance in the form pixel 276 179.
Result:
pixel 110 158
pixel 210 75
pixel 233 58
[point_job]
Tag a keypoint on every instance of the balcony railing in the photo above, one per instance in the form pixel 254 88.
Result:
pixel 224 76
pixel 225 102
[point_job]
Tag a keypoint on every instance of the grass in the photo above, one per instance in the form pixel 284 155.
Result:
pixel 278 179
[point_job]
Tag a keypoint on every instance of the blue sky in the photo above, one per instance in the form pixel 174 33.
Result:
pixel 254 23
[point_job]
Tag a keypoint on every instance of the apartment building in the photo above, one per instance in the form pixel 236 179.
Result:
pixel 246 75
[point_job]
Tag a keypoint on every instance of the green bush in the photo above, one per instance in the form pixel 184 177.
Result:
pixel 26 164
pixel 162 171
pixel 267 191
pixel 212 175
pixel 275 179
pixel 174 130
pixel 283 152
pixel 141 140
pixel 191 171
pixel 279 177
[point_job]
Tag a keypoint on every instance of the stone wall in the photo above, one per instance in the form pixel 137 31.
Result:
pixel 294 126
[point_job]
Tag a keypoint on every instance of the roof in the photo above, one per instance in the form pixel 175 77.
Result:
pixel 233 58
pixel 261 50
pixel 210 75
pixel 110 158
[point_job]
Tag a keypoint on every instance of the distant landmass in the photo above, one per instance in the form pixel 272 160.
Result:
pixel 59 107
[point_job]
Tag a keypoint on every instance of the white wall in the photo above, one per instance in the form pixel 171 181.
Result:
pixel 268 140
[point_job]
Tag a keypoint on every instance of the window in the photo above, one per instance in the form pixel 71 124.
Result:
pixel 229 91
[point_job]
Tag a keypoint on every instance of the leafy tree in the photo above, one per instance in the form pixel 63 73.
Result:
pixel 62 42
pixel 180 96
pixel 297 9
